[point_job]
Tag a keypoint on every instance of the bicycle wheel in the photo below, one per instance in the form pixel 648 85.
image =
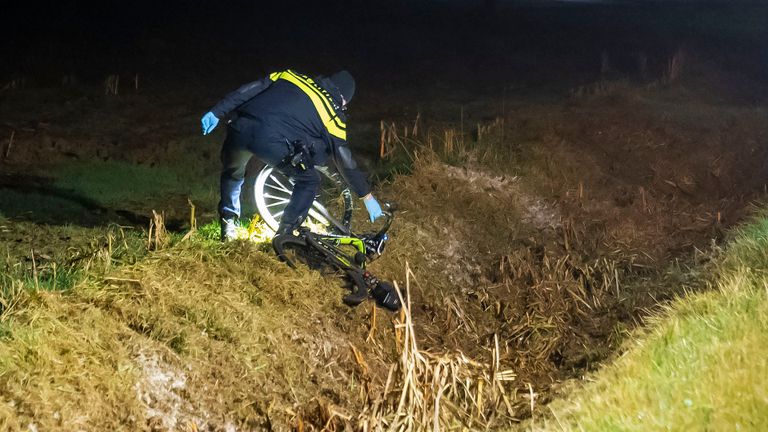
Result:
pixel 291 249
pixel 332 207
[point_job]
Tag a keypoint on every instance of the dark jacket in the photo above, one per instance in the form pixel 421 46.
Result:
pixel 290 107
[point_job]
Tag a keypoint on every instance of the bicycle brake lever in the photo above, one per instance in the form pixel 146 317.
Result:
pixel 360 294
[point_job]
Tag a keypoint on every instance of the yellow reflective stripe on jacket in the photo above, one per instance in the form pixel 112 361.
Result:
pixel 319 98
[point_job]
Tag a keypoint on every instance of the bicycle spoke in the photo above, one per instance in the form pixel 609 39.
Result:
pixel 282 189
pixel 275 197
pixel 279 183
pixel 279 198
pixel 277 203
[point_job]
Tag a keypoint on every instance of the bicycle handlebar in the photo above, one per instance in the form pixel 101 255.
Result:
pixel 389 210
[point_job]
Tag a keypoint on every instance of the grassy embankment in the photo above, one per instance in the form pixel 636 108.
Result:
pixel 700 365
pixel 175 339
pixel 189 334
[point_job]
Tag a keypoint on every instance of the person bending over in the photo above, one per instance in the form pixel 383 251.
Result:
pixel 291 122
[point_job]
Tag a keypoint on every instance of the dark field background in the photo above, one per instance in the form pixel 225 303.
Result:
pixel 406 47
pixel 576 166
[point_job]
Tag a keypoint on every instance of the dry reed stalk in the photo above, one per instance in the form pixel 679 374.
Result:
pixel 462 125
pixel 372 331
pixel 533 404
pixel 16 83
pixel 112 85
pixel 448 143
pixel 436 391
pixel 34 270
pixel 123 280
pixel 675 66
pixel 68 80
pixel 10 144
pixel 360 361
pixel 136 82
pixel 389 139
pixel 393 133
pixel 192 218
pixel 382 138
pixel 107 254
pixel 158 235
pixel 479 133
pixel 503 115
pixel 415 131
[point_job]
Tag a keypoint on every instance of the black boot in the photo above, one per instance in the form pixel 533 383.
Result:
pixel 287 228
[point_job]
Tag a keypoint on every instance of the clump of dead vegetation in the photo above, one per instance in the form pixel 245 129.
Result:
pixel 571 262
pixel 430 390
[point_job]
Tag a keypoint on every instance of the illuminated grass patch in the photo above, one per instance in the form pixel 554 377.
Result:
pixel 113 183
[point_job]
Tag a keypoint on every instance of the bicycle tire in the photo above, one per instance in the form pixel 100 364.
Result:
pixel 272 191
pixel 315 259
pixel 285 244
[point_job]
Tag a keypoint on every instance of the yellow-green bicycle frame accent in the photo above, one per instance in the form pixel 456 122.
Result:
pixel 350 241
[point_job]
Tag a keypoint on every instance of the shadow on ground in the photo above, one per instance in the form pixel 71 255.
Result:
pixel 35 199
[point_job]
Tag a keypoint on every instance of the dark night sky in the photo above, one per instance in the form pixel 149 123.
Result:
pixel 409 39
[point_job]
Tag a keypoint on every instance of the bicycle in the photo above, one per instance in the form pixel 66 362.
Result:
pixel 272 191
pixel 338 248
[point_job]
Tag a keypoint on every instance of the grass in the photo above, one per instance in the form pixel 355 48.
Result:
pixel 113 183
pixel 184 338
pixel 701 365
pixel 247 229
pixel 57 258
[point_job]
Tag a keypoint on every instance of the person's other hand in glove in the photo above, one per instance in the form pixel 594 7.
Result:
pixel 209 122
pixel 373 207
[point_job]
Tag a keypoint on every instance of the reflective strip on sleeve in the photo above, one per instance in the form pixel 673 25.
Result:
pixel 320 99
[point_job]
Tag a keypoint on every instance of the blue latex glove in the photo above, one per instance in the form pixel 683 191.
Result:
pixel 209 123
pixel 373 207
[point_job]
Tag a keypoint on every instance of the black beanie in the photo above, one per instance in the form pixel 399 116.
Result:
pixel 345 83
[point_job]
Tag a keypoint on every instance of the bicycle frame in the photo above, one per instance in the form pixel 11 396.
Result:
pixel 366 247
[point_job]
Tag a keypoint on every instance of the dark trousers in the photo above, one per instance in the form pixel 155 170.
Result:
pixel 238 148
